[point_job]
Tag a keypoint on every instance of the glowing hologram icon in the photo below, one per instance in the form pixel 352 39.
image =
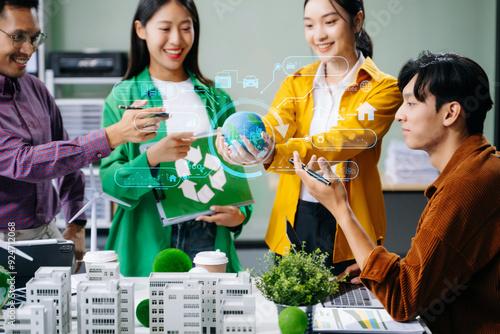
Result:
pixel 293 63
pixel 277 67
pixel 250 81
pixel 237 75
pixel 365 86
pixel 282 128
pixel 145 177
pixel 345 170
pixel 123 91
pixel 366 109
pixel 206 92
pixel 161 177
pixel 184 121
pixel 291 66
pixel 168 91
pixel 338 139
pixel 223 80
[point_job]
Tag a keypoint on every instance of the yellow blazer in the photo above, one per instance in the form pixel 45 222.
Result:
pixel 366 113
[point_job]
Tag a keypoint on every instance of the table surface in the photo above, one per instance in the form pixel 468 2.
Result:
pixel 266 314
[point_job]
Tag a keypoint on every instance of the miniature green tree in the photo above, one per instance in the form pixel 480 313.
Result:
pixel 297 278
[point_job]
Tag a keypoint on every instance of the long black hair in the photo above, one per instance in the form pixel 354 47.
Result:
pixel 139 54
pixel 353 7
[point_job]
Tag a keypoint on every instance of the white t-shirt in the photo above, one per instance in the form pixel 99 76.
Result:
pixel 326 106
pixel 189 114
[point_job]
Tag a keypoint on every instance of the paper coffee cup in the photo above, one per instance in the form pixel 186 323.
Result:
pixel 213 261
pixel 99 257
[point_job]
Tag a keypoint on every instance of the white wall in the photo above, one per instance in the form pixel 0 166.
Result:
pixel 251 36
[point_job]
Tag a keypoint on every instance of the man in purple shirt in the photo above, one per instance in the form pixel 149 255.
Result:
pixel 34 147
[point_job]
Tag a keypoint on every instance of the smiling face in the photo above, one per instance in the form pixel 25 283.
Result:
pixel 16 21
pixel 328 29
pixel 422 125
pixel 169 36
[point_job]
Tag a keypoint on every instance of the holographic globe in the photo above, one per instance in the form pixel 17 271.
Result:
pixel 246 123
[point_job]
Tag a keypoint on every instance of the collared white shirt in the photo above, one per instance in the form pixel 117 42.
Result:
pixel 326 106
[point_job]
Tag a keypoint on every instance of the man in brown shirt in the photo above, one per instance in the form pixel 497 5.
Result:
pixel 451 275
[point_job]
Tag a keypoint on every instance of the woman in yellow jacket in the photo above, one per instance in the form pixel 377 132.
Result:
pixel 339 108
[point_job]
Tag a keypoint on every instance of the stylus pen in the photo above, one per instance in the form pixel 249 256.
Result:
pixel 162 114
pixel 129 107
pixel 161 211
pixel 312 173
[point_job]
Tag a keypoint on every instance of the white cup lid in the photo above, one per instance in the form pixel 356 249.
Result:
pixel 198 270
pixel 100 256
pixel 211 258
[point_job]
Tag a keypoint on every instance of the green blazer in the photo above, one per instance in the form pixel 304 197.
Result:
pixel 137 234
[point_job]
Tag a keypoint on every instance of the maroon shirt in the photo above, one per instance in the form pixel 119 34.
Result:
pixel 34 149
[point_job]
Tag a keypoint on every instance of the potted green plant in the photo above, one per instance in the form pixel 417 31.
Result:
pixel 296 279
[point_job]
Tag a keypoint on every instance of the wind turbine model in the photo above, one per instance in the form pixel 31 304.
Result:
pixel 93 201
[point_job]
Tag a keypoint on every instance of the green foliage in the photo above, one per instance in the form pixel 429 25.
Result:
pixel 172 260
pixel 297 278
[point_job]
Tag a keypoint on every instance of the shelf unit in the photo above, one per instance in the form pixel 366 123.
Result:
pixel 52 82
pixel 81 117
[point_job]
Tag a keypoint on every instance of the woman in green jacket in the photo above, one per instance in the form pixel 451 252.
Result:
pixel 163 71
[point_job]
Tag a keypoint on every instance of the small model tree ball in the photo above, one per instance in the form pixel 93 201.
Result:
pixel 172 260
pixel 4 286
pixel 292 320
pixel 142 312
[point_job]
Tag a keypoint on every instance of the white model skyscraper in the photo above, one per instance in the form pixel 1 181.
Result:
pixel 53 283
pixel 197 303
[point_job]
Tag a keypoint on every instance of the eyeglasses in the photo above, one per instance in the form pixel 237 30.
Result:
pixel 19 39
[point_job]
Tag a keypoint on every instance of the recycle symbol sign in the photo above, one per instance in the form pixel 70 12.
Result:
pixel 190 168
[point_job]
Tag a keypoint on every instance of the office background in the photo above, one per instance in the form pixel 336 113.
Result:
pixel 250 37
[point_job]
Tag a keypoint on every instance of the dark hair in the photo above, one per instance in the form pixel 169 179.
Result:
pixel 450 77
pixel 139 54
pixel 18 4
pixel 353 7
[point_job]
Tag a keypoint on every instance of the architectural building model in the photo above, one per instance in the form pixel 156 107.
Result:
pixel 53 283
pixel 105 307
pixel 180 303
pixel 104 303
pixel 201 303
pixel 31 318
pixel 103 271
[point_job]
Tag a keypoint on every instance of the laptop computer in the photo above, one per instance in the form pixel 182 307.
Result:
pixel 353 309
pixel 353 295
pixel 45 252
